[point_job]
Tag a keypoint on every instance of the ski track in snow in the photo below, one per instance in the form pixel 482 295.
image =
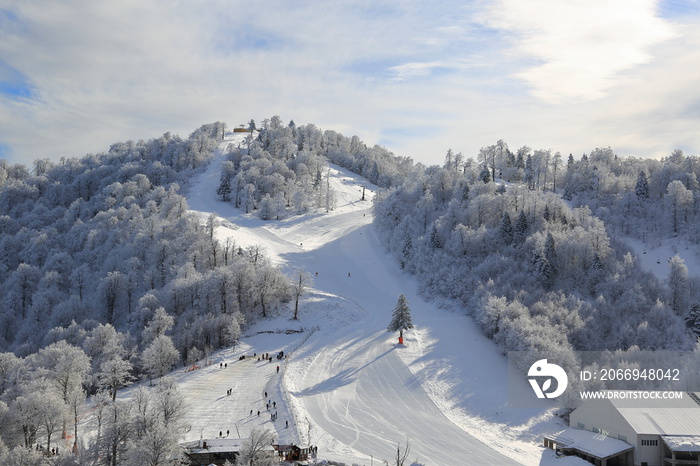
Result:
pixel 349 387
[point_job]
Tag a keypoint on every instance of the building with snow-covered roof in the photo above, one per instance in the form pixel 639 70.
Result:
pixel 661 431
pixel 215 451
pixel 594 447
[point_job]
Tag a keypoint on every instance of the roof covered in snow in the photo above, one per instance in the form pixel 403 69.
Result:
pixel 661 416
pixel 682 442
pixel 598 445
pixel 216 445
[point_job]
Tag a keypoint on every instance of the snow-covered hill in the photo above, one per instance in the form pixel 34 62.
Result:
pixel 350 388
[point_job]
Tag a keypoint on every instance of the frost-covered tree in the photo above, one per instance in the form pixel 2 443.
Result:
pixel 159 357
pixel 115 432
pixel 400 317
pixel 256 450
pixel 641 188
pixel 406 251
pixel 485 174
pixel 692 319
pixel 521 227
pixel 224 190
pixel 26 411
pixel 161 323
pixel 435 241
pixel 678 284
pixel 233 328
pixel 506 229
pixel 103 343
pixel 66 368
pixel 680 201
pixel 550 253
pixel 113 375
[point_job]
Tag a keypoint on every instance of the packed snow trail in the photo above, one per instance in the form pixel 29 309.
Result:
pixel 358 390
pixel 351 380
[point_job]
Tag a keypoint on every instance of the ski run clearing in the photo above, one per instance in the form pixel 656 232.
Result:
pixel 347 386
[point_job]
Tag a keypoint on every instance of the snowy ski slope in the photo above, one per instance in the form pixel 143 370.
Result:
pixel 350 387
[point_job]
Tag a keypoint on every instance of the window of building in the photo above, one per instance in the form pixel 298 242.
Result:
pixel 581 425
pixel 595 430
pixel 650 443
pixel 622 437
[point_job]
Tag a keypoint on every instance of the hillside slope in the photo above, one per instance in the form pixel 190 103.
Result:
pixel 445 391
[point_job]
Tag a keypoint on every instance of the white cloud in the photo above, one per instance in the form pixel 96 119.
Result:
pixel 580 46
pixel 418 76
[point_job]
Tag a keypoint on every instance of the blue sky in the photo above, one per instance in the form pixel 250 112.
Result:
pixel 418 77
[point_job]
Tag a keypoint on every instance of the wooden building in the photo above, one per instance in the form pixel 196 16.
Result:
pixel 294 454
pixel 213 451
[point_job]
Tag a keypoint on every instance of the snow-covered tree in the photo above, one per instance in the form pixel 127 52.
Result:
pixel 485 174
pixel 692 319
pixel 550 253
pixel 641 189
pixel 161 323
pixel 159 357
pixel 257 449
pixel 400 317
pixel 113 375
pixel 521 227
pixel 225 189
pixel 680 201
pixel 66 368
pixel 678 284
pixel 506 229
pixel 233 328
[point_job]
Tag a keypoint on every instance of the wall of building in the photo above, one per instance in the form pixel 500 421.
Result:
pixel 601 416
pixel 648 449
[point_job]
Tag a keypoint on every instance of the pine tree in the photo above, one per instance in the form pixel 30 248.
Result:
pixel 435 241
pixel 550 253
pixel 597 262
pixel 265 208
pixel 529 173
pixel 506 229
pixel 407 251
pixel 510 158
pixel 546 214
pixel 465 193
pixel 521 227
pixel 543 268
pixel 485 175
pixel 678 284
pixel 641 189
pixel 400 318
pixel 692 319
pixel 224 190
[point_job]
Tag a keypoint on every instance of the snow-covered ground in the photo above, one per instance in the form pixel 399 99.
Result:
pixel 348 386
pixel 655 258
